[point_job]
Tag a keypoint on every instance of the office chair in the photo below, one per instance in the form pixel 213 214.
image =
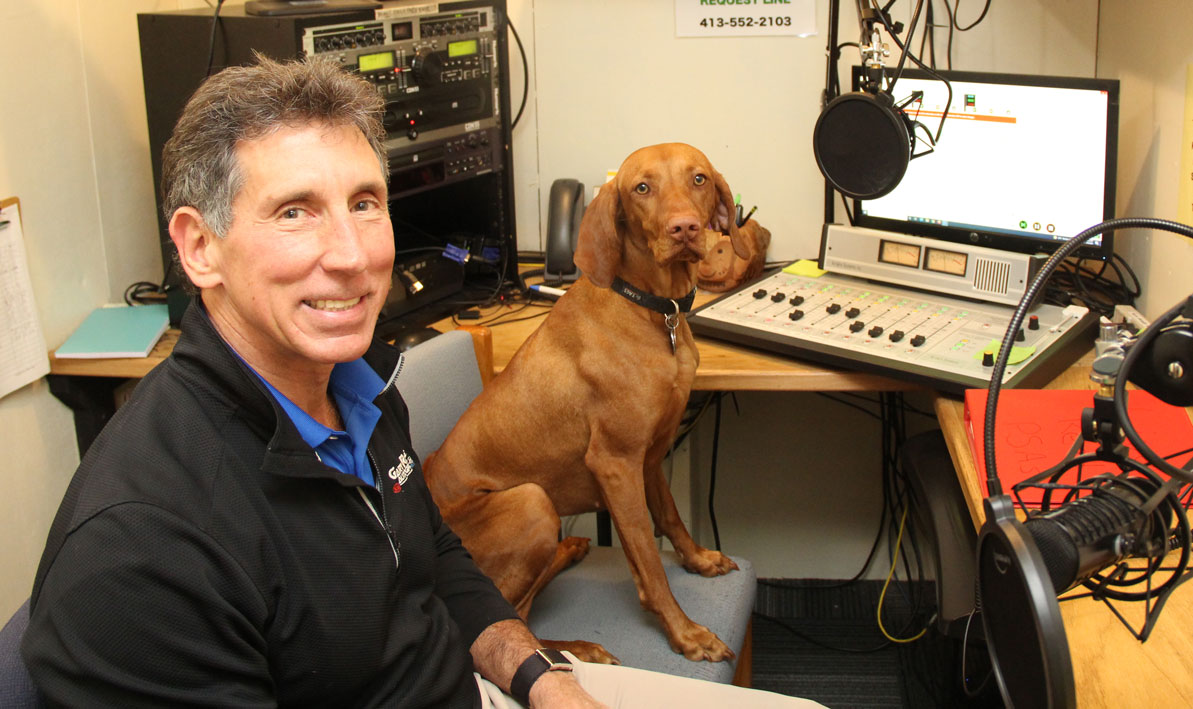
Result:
pixel 595 599
pixel 16 687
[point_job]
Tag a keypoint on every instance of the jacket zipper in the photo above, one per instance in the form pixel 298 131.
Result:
pixel 382 518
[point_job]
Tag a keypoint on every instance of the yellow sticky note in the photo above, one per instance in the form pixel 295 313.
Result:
pixel 1018 354
pixel 806 268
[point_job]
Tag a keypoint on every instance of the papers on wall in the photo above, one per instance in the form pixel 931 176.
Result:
pixel 22 344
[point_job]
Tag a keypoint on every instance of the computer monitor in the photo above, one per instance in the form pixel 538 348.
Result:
pixel 1023 162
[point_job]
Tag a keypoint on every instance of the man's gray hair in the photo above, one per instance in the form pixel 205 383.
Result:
pixel 199 165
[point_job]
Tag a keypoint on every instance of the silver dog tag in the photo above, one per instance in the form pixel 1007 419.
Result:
pixel 672 321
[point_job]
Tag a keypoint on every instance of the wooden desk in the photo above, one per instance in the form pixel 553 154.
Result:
pixel 723 367
pixel 1111 668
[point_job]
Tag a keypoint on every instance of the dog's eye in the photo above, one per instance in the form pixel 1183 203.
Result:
pixel 642 188
pixel 700 179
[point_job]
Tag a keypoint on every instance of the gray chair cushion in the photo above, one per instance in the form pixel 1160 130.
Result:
pixel 596 600
pixel 439 379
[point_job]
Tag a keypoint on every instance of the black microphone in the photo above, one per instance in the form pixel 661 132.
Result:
pixel 1023 566
pixel 1082 537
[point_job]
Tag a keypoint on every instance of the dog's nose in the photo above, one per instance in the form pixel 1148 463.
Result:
pixel 683 228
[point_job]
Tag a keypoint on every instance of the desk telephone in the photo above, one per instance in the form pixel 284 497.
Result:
pixel 564 212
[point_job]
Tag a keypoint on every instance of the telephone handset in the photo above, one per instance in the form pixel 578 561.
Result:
pixel 564 211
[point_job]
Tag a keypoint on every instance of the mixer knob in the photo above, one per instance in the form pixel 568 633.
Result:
pixel 1020 336
pixel 852 313
pixel 988 358
pixel 918 340
pixel 777 297
pixel 760 294
pixel 895 336
pixel 1033 323
pixel 833 309
pixel 796 300
pixel 875 331
pixel 795 314
pixel 427 67
pixel 856 326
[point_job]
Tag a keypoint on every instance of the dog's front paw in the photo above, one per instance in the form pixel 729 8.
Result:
pixel 709 562
pixel 585 651
pixel 697 643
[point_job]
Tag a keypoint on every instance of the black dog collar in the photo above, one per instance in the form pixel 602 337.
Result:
pixel 670 309
pixel 650 301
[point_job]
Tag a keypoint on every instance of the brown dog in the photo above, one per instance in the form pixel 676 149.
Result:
pixel 583 415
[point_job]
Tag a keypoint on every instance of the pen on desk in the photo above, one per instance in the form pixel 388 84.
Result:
pixel 748 215
pixel 548 291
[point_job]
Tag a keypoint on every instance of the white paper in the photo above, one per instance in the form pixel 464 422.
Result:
pixel 745 18
pixel 23 356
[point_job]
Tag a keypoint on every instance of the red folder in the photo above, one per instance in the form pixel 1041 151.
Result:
pixel 1036 428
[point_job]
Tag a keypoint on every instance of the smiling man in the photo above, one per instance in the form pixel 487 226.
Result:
pixel 226 541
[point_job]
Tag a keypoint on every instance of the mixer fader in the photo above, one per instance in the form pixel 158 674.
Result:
pixel 947 343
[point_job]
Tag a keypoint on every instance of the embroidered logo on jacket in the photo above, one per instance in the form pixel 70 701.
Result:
pixel 400 473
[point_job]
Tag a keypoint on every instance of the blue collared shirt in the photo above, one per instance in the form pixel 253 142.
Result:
pixel 354 385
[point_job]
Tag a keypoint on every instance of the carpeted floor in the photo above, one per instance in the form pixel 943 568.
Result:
pixel 838 656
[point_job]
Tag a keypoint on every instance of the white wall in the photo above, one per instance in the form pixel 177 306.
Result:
pixel 605 78
pixel 73 148
pixel 1145 44
pixel 610 77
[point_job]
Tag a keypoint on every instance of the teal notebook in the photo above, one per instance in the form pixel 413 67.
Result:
pixel 125 331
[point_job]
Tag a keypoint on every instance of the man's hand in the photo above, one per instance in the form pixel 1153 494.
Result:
pixel 500 648
pixel 560 690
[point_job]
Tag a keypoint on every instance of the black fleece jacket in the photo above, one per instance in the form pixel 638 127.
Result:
pixel 203 556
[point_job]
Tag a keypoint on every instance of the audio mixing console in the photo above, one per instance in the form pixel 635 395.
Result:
pixel 943 342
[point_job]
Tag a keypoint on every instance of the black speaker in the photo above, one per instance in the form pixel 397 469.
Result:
pixel 862 144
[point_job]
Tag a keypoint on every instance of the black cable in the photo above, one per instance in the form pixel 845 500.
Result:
pixel 712 475
pixel 215 22
pixel 143 292
pixel 956 4
pixel 948 52
pixel 916 60
pixel 525 73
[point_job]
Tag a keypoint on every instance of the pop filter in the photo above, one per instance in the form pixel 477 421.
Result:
pixel 862 144
pixel 1020 614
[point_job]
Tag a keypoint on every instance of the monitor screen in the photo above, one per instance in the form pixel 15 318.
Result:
pixel 1023 162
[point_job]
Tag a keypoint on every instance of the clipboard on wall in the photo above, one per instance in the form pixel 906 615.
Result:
pixel 23 357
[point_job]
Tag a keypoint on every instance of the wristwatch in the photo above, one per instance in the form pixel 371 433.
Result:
pixel 533 667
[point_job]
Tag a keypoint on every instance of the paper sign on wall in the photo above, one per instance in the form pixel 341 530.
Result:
pixel 745 18
pixel 22 346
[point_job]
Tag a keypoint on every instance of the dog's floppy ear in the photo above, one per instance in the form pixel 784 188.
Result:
pixel 726 217
pixel 598 246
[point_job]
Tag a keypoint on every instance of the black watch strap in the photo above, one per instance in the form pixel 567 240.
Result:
pixel 533 667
